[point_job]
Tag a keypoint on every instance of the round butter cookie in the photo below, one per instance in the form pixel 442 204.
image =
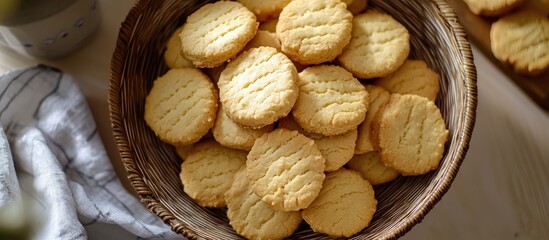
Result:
pixel 345 205
pixel 230 134
pixel 173 56
pixel 336 150
pixel 492 8
pixel 357 6
pixel 411 134
pixel 217 32
pixel 331 101
pixel 379 45
pixel 263 39
pixel 258 87
pixel 413 77
pixel 265 9
pixel 208 171
pixel 522 41
pixel 371 168
pixel 285 169
pixel 313 32
pixel 378 98
pixel 252 218
pixel 181 106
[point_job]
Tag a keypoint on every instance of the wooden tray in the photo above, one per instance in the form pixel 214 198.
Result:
pixel 478 29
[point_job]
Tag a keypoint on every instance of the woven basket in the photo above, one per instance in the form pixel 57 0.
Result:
pixel 153 166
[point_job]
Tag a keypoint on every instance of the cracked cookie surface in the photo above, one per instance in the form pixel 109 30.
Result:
pixel 313 32
pixel 217 32
pixel 379 45
pixel 208 170
pixel 337 150
pixel 258 87
pixel 331 101
pixel 413 77
pixel 411 134
pixel 181 106
pixel 286 169
pixel 345 205
pixel 254 219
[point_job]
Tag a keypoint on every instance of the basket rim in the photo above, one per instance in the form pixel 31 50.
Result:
pixel 155 206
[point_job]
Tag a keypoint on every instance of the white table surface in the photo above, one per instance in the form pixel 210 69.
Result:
pixel 501 190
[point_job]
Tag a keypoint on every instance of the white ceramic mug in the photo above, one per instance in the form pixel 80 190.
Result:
pixel 49 28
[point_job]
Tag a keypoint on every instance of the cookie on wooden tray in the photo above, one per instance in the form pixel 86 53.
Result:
pixel 492 8
pixel 371 168
pixel 313 32
pixel 265 9
pixel 286 169
pixel 217 32
pixel 208 171
pixel 345 205
pixel 173 56
pixel 181 106
pixel 357 6
pixel 413 77
pixel 411 134
pixel 254 219
pixel 258 87
pixel 378 98
pixel 331 101
pixel 522 40
pixel 337 150
pixel 263 39
pixel 232 135
pixel 379 45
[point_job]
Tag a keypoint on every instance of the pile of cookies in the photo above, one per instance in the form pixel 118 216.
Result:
pixel 273 123
pixel 520 36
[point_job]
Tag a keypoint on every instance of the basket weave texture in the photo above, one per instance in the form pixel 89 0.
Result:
pixel 153 166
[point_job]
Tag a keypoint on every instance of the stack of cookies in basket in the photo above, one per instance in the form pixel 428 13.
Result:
pixel 295 135
pixel 520 35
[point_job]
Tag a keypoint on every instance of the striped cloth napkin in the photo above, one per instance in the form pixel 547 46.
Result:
pixel 56 180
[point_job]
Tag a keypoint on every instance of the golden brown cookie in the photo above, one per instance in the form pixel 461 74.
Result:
pixel 345 205
pixel 173 56
pixel 263 39
pixel 492 8
pixel 181 106
pixel 254 219
pixel 217 32
pixel 331 101
pixel 265 9
pixel 258 87
pixel 232 135
pixel 357 6
pixel 411 134
pixel 378 98
pixel 285 169
pixel 208 170
pixel 313 32
pixel 371 168
pixel 379 45
pixel 337 150
pixel 269 26
pixel 522 41
pixel 413 77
